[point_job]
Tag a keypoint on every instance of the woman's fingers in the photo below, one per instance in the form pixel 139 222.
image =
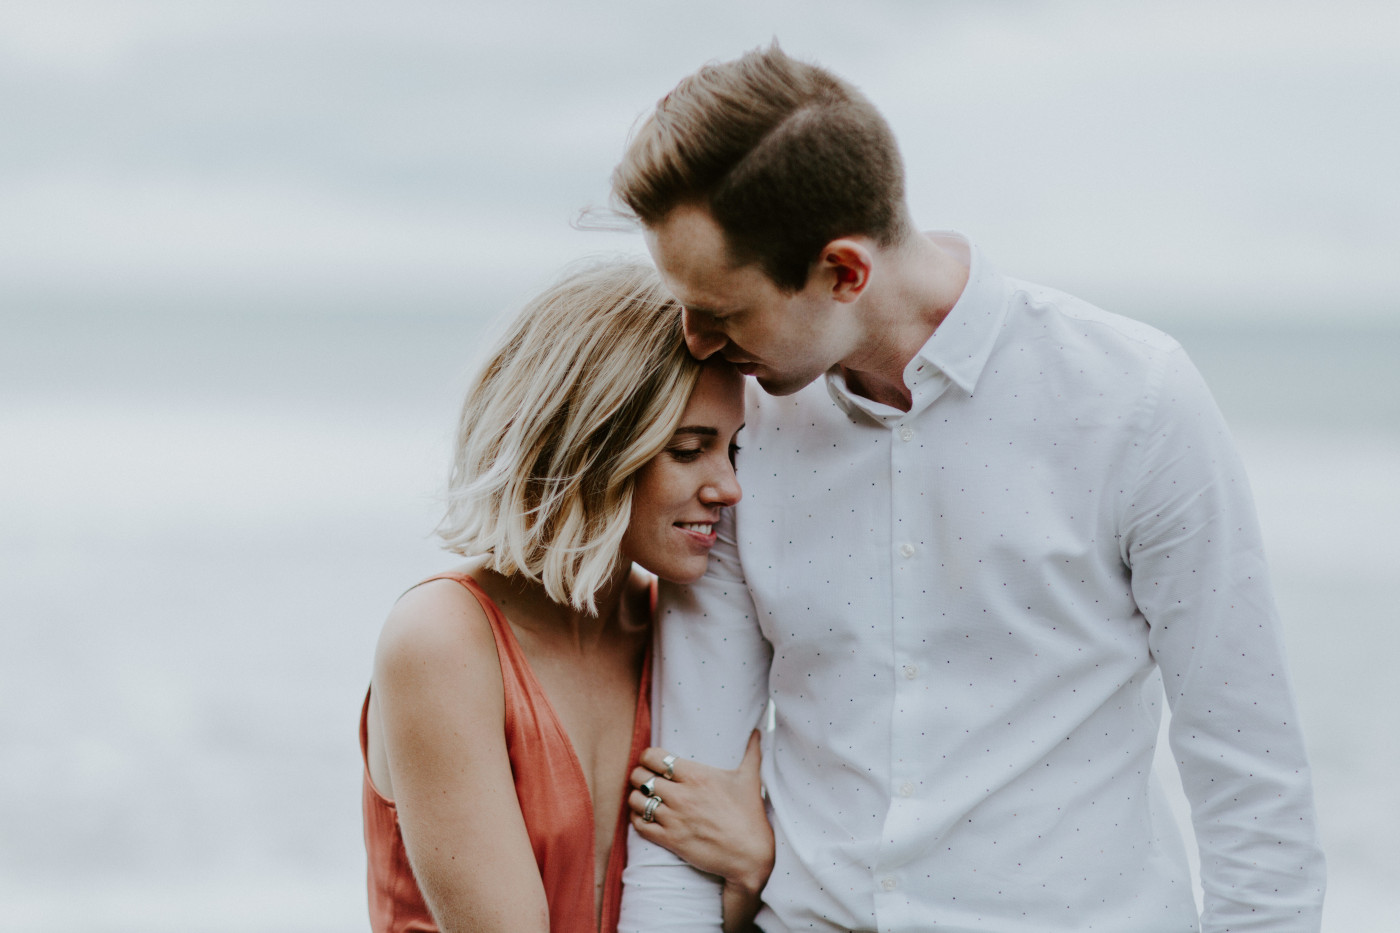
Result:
pixel 637 802
pixel 640 776
pixel 663 763
pixel 651 832
pixel 711 817
pixel 673 796
pixel 664 814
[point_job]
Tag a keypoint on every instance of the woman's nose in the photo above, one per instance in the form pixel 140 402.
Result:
pixel 723 488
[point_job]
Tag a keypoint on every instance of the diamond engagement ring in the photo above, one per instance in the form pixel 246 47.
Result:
pixel 649 814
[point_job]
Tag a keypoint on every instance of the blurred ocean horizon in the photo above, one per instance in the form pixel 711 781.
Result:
pixel 251 249
pixel 204 519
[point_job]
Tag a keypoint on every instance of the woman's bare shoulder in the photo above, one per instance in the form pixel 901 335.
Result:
pixel 435 629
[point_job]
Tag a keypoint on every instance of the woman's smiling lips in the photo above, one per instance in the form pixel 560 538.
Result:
pixel 701 532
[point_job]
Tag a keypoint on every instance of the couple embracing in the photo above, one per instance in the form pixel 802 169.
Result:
pixel 985 528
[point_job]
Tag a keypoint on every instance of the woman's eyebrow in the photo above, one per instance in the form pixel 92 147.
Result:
pixel 698 429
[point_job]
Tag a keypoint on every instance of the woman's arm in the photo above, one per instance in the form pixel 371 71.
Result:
pixel 441 713
pixel 715 820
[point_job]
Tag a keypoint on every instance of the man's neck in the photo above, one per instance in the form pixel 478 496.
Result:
pixel 917 285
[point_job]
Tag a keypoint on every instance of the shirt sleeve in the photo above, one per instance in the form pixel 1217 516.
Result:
pixel 1193 544
pixel 709 689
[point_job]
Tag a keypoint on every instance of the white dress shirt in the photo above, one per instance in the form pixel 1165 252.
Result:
pixel 965 616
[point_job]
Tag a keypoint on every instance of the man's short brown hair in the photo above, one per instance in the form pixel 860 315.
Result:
pixel 785 155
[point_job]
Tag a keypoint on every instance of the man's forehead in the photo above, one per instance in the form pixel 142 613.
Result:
pixel 697 268
pixel 689 240
pixel 695 298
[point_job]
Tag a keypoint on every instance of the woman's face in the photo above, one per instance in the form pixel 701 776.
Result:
pixel 680 492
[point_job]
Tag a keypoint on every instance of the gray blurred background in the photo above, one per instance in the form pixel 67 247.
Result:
pixel 248 251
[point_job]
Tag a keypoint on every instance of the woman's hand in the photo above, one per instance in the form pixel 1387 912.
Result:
pixel 712 818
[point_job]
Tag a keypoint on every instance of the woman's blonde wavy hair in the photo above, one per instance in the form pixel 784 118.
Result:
pixel 588 383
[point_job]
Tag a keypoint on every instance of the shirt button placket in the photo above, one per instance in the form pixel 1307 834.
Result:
pixel 908 550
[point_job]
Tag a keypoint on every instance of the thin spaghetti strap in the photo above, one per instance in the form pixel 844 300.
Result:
pixel 517 679
pixel 468 583
pixel 465 579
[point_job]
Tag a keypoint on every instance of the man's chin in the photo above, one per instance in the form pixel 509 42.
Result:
pixel 783 386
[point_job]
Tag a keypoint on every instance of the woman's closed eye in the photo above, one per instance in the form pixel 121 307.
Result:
pixel 685 454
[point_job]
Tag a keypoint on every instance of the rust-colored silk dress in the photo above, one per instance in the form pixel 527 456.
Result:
pixel 553 799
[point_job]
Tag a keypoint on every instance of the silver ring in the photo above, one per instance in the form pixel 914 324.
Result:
pixel 670 762
pixel 649 814
pixel 649 785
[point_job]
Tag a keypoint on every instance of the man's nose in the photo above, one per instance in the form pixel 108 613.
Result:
pixel 701 338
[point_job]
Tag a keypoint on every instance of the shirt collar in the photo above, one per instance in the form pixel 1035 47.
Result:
pixel 956 352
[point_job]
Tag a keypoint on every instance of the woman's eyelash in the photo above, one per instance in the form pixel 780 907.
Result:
pixel 687 454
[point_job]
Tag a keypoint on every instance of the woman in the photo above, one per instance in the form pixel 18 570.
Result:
pixel 509 697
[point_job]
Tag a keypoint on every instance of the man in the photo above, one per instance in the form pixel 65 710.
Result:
pixel 984 525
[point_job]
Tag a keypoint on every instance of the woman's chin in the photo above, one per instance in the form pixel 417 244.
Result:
pixel 683 575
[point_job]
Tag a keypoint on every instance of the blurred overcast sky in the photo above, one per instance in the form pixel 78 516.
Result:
pixel 1165 159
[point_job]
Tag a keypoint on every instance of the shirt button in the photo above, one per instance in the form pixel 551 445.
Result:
pixel 911 672
pixel 906 433
pixel 889 884
pixel 906 550
pixel 906 789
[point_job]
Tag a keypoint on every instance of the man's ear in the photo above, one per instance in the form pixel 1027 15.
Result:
pixel 846 263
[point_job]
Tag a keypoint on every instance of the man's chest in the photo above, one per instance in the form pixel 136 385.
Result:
pixel 934 531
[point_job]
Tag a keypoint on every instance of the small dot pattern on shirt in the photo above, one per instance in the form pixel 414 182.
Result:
pixel 973 610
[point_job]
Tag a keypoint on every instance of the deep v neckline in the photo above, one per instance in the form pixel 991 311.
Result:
pixel 534 684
